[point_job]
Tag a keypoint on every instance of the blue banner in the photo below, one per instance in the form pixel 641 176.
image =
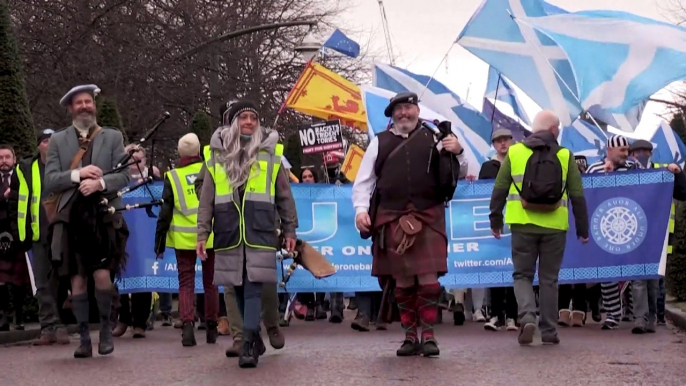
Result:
pixel 628 214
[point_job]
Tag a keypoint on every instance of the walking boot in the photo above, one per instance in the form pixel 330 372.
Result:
pixel 235 349
pixel 106 344
pixel 85 349
pixel 253 347
pixel 361 323
pixel 427 298
pixel 319 312
pixel 47 337
pixel 430 348
pixel 104 301
pixel 276 338
pixel 212 333
pixel 188 335
pixel 120 329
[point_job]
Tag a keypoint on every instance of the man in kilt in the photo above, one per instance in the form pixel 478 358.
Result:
pixel 399 182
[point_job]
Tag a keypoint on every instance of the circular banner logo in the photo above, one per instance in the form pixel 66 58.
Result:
pixel 619 225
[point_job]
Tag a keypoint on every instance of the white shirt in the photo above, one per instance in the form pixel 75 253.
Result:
pixel 365 181
pixel 76 174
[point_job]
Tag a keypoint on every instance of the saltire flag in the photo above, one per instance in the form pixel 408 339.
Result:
pixel 322 93
pixel 668 147
pixel 500 89
pixel 640 56
pixel 472 128
pixel 583 138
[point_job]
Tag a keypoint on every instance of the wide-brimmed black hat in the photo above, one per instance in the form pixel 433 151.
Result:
pixel 401 97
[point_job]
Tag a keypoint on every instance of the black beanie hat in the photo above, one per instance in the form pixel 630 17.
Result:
pixel 232 110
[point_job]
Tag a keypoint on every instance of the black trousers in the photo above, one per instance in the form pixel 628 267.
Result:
pixel 503 303
pixel 310 299
pixel 576 293
pixel 136 311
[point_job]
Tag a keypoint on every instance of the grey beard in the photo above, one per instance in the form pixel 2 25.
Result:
pixel 84 124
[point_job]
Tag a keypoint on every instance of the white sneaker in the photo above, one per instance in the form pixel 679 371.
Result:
pixel 479 316
pixel 510 325
pixel 492 325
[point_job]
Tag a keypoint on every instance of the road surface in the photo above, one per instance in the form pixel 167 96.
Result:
pixel 320 353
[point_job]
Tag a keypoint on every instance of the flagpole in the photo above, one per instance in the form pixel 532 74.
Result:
pixel 283 105
pixel 426 86
pixel 495 99
pixel 558 74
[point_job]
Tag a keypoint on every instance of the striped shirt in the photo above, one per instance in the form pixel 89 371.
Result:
pixel 599 167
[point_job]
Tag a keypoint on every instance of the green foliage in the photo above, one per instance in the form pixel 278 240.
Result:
pixel 16 123
pixel 202 127
pixel 676 263
pixel 677 124
pixel 108 114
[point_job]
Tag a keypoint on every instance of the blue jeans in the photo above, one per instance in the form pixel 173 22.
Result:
pixel 166 304
pixel 249 299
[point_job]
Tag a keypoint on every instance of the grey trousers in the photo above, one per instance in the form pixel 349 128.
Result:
pixel 270 309
pixel 645 294
pixel 46 286
pixel 546 249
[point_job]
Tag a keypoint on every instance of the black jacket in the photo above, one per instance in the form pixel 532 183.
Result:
pixel 679 193
pixel 489 170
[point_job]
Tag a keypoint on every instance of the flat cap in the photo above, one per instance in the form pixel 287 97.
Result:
pixel 89 88
pixel 641 144
pixel 501 133
pixel 401 97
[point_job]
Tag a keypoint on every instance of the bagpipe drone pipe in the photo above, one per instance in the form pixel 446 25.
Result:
pixel 304 255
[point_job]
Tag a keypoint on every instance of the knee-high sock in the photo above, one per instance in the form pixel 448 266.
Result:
pixel 104 300
pixel 427 308
pixel 80 306
pixel 407 305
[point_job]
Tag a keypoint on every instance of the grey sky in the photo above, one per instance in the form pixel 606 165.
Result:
pixel 423 31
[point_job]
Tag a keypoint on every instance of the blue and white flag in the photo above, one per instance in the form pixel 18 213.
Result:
pixel 376 99
pixel 502 121
pixel 472 128
pixel 668 147
pixel 529 59
pixel 583 138
pixel 500 89
pixel 343 44
pixel 619 59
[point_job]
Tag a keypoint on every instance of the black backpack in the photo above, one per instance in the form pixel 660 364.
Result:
pixel 542 186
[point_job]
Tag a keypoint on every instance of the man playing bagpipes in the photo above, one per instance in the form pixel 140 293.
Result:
pixel 406 176
pixel 86 241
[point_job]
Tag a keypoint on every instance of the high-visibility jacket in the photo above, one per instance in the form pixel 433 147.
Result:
pixel 183 231
pixel 514 212
pixel 252 221
pixel 29 206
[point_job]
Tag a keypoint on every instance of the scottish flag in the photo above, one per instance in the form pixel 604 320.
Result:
pixel 343 44
pixel 583 138
pixel 667 146
pixel 472 128
pixel 498 88
pixel 619 59
pixel 375 101
pixel 526 57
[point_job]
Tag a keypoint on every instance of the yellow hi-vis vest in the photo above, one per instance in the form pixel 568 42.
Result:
pixel 183 232
pixel 254 221
pixel 514 212
pixel 26 209
pixel 672 216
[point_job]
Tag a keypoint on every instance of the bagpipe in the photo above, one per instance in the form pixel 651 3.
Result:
pixel 304 255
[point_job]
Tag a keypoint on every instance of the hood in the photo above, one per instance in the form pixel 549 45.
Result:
pixel 539 139
pixel 269 140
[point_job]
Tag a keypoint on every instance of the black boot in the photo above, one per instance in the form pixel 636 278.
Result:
pixel 188 335
pixel 104 300
pixel 80 307
pixel 253 347
pixel 212 333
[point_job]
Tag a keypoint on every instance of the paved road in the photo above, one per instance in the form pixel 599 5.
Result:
pixel 319 353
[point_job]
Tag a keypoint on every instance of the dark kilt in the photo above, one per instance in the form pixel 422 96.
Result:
pixel 428 254
pixel 14 269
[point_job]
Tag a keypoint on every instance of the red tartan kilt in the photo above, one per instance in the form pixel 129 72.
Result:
pixel 428 254
pixel 14 271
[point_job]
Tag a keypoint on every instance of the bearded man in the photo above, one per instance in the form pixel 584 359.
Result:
pixel 247 195
pixel 409 244
pixel 77 157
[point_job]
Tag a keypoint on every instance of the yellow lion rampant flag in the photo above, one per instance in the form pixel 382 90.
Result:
pixel 324 94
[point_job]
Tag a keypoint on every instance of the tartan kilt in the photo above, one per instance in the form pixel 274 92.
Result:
pixel 14 270
pixel 428 254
